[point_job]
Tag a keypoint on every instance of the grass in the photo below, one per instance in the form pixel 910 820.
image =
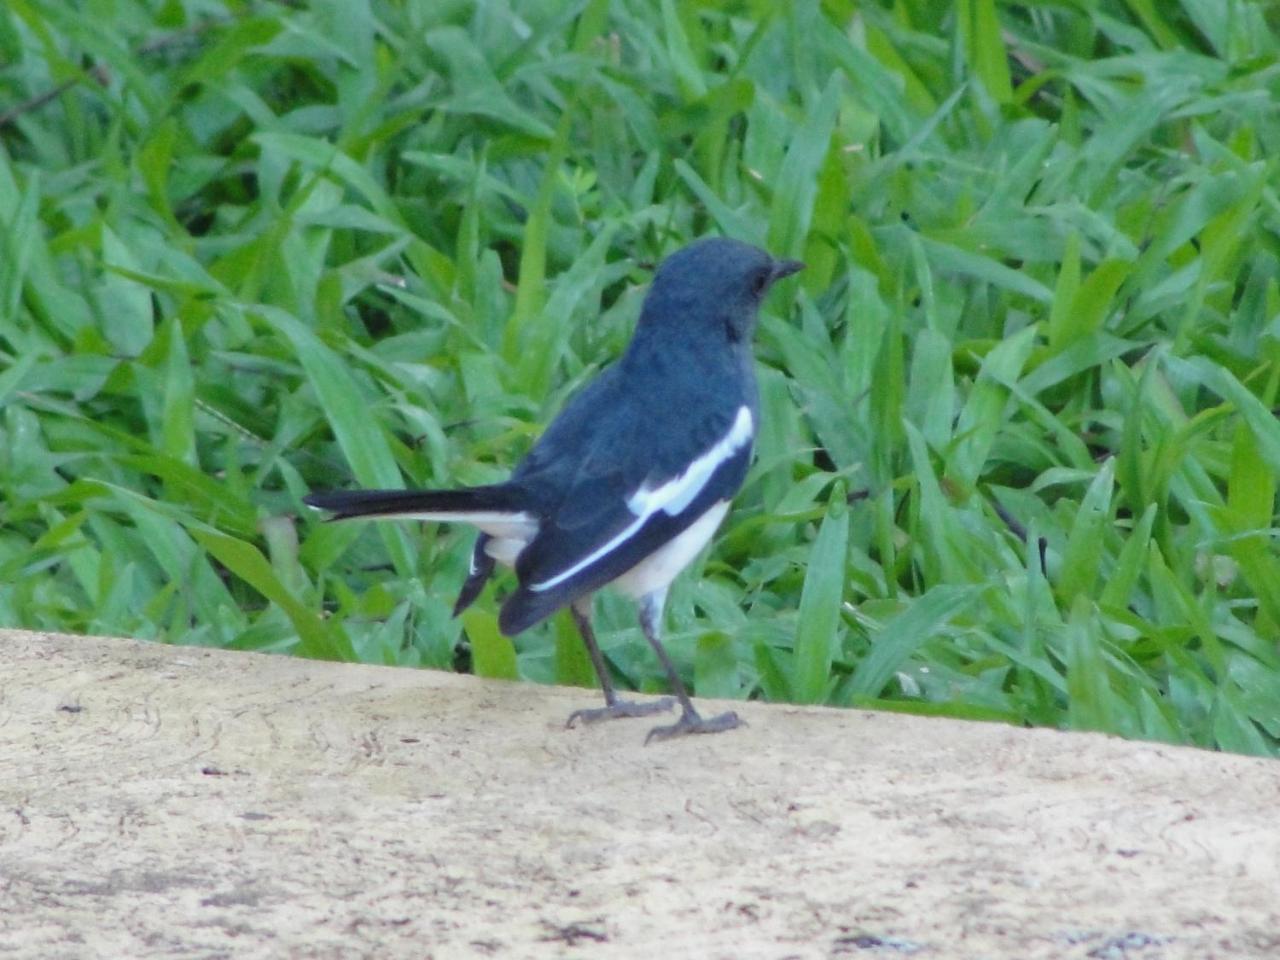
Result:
pixel 1020 453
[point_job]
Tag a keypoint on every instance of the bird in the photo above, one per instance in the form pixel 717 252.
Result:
pixel 629 482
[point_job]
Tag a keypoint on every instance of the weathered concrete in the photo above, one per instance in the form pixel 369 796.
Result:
pixel 171 802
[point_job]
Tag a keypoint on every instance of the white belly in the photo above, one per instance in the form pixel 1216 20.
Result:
pixel 657 570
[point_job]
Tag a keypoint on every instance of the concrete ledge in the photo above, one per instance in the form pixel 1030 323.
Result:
pixel 180 802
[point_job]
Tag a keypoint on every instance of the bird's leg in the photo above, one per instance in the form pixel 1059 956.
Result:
pixel 690 720
pixel 614 707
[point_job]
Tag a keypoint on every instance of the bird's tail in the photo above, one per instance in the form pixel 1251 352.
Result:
pixel 497 510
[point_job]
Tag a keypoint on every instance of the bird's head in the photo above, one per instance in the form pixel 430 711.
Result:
pixel 714 283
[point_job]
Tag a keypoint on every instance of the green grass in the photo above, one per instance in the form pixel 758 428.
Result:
pixel 1019 457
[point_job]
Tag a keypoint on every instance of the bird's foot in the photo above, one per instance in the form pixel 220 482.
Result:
pixel 693 722
pixel 621 709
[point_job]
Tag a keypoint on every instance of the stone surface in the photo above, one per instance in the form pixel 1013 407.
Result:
pixel 178 802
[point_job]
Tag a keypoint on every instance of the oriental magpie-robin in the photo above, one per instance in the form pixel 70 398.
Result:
pixel 630 481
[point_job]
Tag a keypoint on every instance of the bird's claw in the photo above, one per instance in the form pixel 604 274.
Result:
pixel 690 723
pixel 621 709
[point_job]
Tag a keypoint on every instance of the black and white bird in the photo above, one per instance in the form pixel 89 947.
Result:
pixel 630 481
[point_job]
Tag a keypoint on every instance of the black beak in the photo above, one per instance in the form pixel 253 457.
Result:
pixel 784 268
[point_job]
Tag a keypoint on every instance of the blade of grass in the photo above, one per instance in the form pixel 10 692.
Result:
pixel 317 638
pixel 1086 543
pixel 818 621
pixel 894 643
pixel 492 654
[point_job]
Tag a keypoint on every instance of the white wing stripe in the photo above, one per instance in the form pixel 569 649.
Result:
pixel 672 497
pixel 591 558
pixel 680 491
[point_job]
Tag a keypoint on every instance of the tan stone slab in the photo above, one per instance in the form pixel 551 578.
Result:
pixel 179 802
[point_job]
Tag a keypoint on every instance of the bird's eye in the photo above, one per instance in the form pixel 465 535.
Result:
pixel 759 282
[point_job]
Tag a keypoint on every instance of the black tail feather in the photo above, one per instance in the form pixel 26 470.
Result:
pixel 524 609
pixel 345 504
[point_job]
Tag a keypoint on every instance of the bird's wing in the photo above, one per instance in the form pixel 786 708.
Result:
pixel 631 493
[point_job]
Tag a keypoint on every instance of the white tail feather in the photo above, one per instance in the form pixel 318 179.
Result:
pixel 506 526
